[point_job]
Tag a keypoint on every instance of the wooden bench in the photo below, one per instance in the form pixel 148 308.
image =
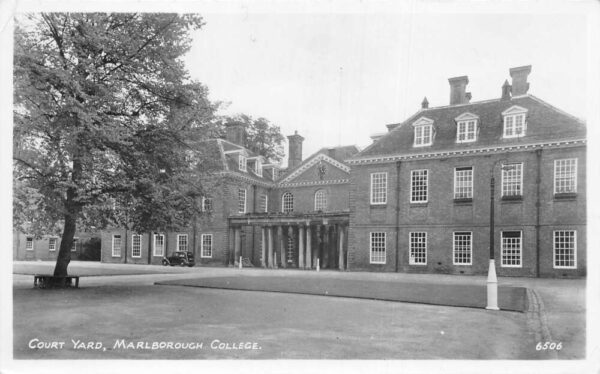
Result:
pixel 50 281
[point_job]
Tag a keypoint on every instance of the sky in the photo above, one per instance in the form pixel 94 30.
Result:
pixel 338 78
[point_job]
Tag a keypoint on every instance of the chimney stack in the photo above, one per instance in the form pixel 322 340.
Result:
pixel 458 86
pixel 506 90
pixel 295 150
pixel 520 86
pixel 424 103
pixel 235 133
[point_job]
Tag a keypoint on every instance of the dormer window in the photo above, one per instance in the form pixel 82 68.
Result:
pixel 258 167
pixel 242 162
pixel 466 128
pixel 515 123
pixel 423 132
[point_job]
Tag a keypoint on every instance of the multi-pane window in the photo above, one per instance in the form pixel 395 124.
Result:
pixel 378 188
pixel 258 168
pixel 565 176
pixel 320 200
pixel 423 135
pixel 511 248
pixel 206 245
pixel 264 203
pixel 182 242
pixel 74 247
pixel 463 183
pixel 378 247
pixel 242 200
pixel 52 244
pixel 418 248
pixel 565 249
pixel 136 245
pixel 206 204
pixel 512 180
pixel 466 131
pixel 159 245
pixel 116 246
pixel 418 186
pixel 514 125
pixel 287 202
pixel 242 163
pixel 462 248
pixel 29 244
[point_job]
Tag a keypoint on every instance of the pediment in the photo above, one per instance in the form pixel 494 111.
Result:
pixel 515 109
pixel 320 167
pixel 423 121
pixel 466 116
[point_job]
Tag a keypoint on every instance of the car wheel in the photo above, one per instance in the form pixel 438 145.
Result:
pixel 165 262
pixel 182 263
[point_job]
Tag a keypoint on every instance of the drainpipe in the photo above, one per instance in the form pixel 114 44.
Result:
pixel 397 216
pixel 253 228
pixel 538 183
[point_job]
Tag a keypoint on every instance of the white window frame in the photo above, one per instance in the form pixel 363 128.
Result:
pixel 506 187
pixel 287 204
pixel 207 204
pixel 28 241
pixel 133 246
pixel 421 140
pixel 573 166
pixel 462 184
pixel 462 128
pixel 377 259
pixel 187 243
pixel 379 192
pixel 320 199
pixel 264 203
pixel 258 168
pixel 413 175
pixel 202 245
pixel 554 233
pixel 154 252
pixel 242 163
pixel 412 250
pixel 52 242
pixel 242 196
pixel 74 246
pixel 504 251
pixel 454 249
pixel 116 251
pixel 510 117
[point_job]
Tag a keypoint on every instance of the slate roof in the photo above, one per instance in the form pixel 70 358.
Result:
pixel 544 123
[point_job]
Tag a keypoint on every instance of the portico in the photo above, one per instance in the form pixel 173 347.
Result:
pixel 294 240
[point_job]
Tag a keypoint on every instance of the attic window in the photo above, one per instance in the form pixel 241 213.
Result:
pixel 466 128
pixel 242 163
pixel 258 167
pixel 514 122
pixel 423 132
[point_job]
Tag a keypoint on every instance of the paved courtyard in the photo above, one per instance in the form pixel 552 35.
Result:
pixel 124 315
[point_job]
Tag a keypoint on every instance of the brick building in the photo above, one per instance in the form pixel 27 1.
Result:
pixel 86 247
pixel 420 196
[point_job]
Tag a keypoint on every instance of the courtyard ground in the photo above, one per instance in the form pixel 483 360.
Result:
pixel 118 309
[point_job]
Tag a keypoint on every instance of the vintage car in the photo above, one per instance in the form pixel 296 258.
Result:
pixel 180 258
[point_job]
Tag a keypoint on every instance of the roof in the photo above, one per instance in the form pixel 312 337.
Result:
pixel 544 123
pixel 340 154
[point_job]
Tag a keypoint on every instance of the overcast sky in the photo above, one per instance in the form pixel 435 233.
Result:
pixel 339 78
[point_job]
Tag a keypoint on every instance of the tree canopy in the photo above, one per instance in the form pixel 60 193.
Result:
pixel 262 137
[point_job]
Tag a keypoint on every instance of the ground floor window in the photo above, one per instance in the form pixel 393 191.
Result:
pixel 378 247
pixel 462 248
pixel 418 248
pixel 182 242
pixel 206 245
pixel 159 245
pixel 74 247
pixel 511 248
pixel 136 245
pixel 52 244
pixel 116 246
pixel 29 244
pixel 565 249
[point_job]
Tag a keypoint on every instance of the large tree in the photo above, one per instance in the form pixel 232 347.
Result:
pixel 262 136
pixel 104 116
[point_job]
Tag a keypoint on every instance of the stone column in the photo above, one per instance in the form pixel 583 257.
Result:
pixel 263 248
pixel 270 245
pixel 300 247
pixel 341 248
pixel 281 246
pixel 237 245
pixel 325 258
pixel 308 264
pixel 290 235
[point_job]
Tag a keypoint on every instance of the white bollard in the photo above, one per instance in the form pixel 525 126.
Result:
pixel 318 267
pixel 492 288
pixel 240 262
